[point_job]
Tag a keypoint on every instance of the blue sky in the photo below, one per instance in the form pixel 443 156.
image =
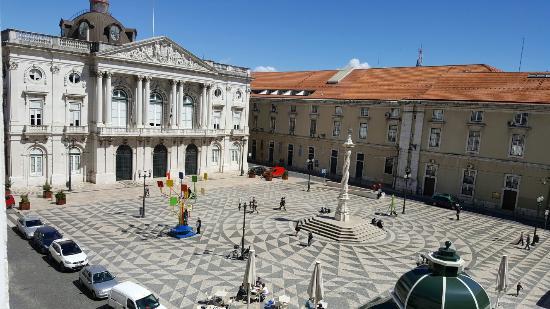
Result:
pixel 291 35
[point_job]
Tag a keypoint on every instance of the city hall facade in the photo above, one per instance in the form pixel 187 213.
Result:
pixel 102 106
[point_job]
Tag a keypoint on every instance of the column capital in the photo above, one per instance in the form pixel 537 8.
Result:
pixel 108 74
pixel 99 73
pixel 228 88
pixel 140 77
pixel 148 78
pixel 174 82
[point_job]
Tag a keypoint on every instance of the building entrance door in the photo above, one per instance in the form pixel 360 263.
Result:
pixel 191 157
pixel 270 154
pixel 429 186
pixel 333 162
pixel 509 198
pixel 160 161
pixel 290 154
pixel 124 163
pixel 359 166
pixel 253 151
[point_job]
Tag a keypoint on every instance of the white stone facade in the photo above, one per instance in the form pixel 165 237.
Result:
pixel 72 104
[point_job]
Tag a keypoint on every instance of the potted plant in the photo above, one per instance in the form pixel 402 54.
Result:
pixel 47 190
pixel 285 175
pixel 60 198
pixel 25 204
pixel 7 186
pixel 251 174
pixel 268 175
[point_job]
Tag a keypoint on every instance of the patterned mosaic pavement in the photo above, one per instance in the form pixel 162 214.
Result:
pixel 182 271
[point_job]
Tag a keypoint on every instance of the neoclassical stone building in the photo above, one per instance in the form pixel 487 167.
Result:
pixel 98 104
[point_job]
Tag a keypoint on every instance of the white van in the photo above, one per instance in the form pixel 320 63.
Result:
pixel 129 295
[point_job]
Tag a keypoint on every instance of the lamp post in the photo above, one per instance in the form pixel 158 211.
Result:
pixel 71 146
pixel 406 177
pixel 540 199
pixel 242 156
pixel 143 175
pixel 244 226
pixel 309 163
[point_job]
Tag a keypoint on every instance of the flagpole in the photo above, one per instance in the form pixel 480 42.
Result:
pixel 153 18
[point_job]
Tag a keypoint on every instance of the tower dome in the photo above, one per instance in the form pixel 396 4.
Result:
pixel 440 284
pixel 100 6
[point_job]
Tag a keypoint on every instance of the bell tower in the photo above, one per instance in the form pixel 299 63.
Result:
pixel 100 6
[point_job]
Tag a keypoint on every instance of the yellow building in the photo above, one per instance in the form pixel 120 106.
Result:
pixel 469 130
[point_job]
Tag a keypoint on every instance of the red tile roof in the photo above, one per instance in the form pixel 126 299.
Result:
pixel 475 82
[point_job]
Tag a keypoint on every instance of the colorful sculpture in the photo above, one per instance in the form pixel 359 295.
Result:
pixel 180 203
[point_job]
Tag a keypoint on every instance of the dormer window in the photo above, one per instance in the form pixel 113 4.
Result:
pixel 114 33
pixel 83 29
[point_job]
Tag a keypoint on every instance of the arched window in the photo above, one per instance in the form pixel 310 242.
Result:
pixel 235 153
pixel 187 113
pixel 216 155
pixel 119 108
pixel 37 162
pixel 74 160
pixel 155 109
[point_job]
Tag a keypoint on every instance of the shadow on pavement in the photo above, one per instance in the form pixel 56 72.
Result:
pixel 544 301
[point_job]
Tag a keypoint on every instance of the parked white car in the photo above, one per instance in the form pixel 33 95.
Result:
pixel 131 295
pixel 28 224
pixel 66 254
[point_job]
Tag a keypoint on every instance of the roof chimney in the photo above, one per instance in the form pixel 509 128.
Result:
pixel 100 6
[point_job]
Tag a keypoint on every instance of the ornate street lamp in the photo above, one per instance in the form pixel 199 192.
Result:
pixel 242 156
pixel 143 175
pixel 309 163
pixel 406 177
pixel 71 146
pixel 540 199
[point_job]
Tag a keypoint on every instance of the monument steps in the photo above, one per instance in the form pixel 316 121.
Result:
pixel 354 231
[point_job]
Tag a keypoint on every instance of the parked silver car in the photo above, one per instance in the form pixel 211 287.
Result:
pixel 27 225
pixel 97 279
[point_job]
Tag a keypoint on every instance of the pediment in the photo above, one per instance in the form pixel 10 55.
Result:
pixel 158 51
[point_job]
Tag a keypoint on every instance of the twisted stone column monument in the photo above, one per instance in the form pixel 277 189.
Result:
pixel 342 211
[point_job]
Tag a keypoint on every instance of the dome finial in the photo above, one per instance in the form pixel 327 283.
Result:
pixel 447 244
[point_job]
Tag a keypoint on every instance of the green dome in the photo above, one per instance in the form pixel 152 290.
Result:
pixel 440 284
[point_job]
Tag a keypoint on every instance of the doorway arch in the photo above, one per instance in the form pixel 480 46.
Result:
pixel 191 157
pixel 124 163
pixel 160 161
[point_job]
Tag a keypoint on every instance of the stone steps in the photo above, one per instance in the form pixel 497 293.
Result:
pixel 357 232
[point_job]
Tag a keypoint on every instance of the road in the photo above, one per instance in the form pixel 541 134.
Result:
pixel 34 283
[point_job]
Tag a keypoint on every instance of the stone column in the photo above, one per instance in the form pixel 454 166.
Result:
pixel 342 211
pixel 139 102
pixel 173 103
pixel 108 97
pixel 209 104
pixel 146 98
pixel 204 108
pixel 179 103
pixel 99 99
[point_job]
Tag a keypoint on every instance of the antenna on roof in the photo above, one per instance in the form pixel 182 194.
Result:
pixel 419 59
pixel 521 55
pixel 153 18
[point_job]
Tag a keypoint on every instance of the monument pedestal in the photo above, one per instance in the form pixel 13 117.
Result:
pixel 342 212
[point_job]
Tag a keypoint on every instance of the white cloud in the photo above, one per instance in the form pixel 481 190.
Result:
pixel 356 64
pixel 262 68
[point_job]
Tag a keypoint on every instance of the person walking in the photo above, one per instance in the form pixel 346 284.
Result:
pixel 282 203
pixel 518 288
pixel 297 228
pixel 520 241
pixel 392 206
pixel 457 207
pixel 309 239
pixel 199 224
pixel 528 242
pixel 239 206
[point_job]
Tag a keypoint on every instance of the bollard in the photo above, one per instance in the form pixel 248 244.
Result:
pixel 205 176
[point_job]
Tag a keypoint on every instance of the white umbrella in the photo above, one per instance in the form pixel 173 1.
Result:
pixel 502 281
pixel 316 289
pixel 250 273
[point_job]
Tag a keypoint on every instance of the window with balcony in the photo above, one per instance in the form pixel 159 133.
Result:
pixel 292 126
pixel 314 109
pixel 474 141
pixel 155 110
pixel 187 113
pixel 392 133
pixel 119 108
pixel 216 119
pixel 35 110
pixel 388 165
pixel 435 137
pixel 312 127
pixel 236 120
pixel 363 128
pixel 74 160
pixel 468 182
pixel 292 108
pixel 272 123
pixel 74 114
pixel 476 116
pixel 215 154
pixel 364 111
pixel 520 120
pixel 338 110
pixel 36 162
pixel 517 146
pixel 336 128
pixel 437 115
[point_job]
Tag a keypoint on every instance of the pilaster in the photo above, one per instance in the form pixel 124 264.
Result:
pixel 99 99
pixel 173 103
pixel 108 97
pixel 146 98
pixel 139 101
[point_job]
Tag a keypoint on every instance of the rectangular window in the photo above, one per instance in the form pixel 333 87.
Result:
pixel 474 140
pixel 255 107
pixel 216 117
pixel 512 182
pixel 394 112
pixel 215 155
pixel 236 120
pixel 468 182
pixel 74 163
pixel 437 115
pixel 272 124
pixel 338 110
pixel 517 146
pixel 520 119
pixel 35 109
pixel 292 108
pixel 363 128
pixel 314 109
pixel 364 111
pixel 291 125
pixel 36 165
pixel 392 133
pixel 435 137
pixel 336 129
pixel 310 153
pixel 388 166
pixel 273 108
pixel 187 116
pixel 255 122
pixel 476 116
pixel 74 114
pixel 312 127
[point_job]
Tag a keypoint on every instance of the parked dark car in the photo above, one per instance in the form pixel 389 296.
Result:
pixel 258 170
pixel 445 200
pixel 43 238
